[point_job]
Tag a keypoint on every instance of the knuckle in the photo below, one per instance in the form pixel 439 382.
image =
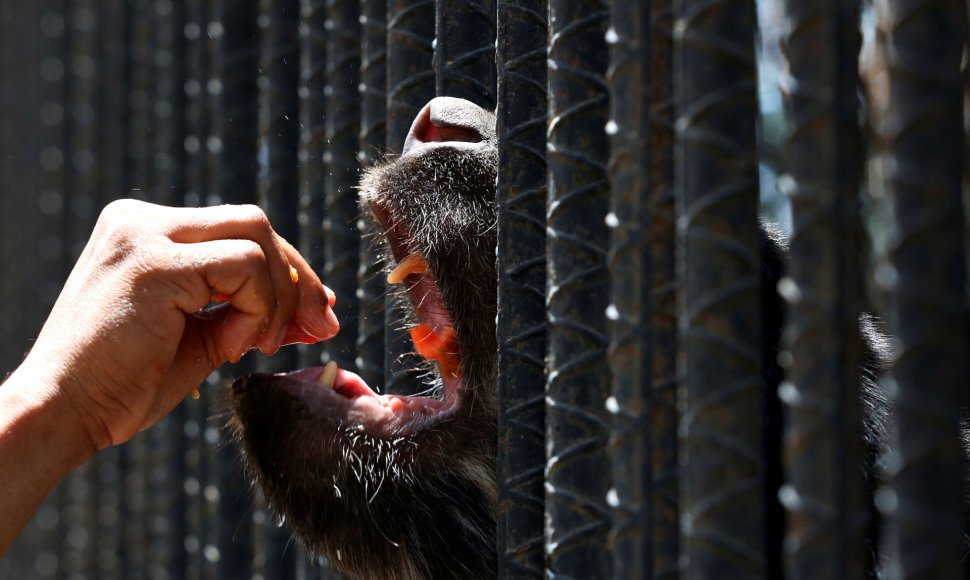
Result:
pixel 252 253
pixel 255 218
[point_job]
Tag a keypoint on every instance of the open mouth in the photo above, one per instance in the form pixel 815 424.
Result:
pixel 347 395
pixel 342 394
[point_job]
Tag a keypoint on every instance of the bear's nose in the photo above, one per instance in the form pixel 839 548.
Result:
pixel 447 119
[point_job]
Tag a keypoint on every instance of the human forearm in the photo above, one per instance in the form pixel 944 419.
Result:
pixel 40 442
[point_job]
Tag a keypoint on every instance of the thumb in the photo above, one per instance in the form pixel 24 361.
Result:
pixel 211 337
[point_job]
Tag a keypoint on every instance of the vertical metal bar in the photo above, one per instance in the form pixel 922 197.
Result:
pixel 826 490
pixel 372 142
pixel 279 131
pixel 521 321
pixel 279 196
pixel 577 465
pixel 313 111
pixel 342 128
pixel 136 461
pixel 925 281
pixel 112 115
pixel 238 183
pixel 80 548
pixel 35 156
pixel 642 356
pixel 169 105
pixel 464 50
pixel 168 527
pixel 722 498
pixel 410 84
pixel 197 128
pixel 213 33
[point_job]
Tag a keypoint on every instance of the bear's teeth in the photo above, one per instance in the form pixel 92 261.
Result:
pixel 329 375
pixel 413 264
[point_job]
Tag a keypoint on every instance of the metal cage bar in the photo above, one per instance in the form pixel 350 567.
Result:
pixel 723 497
pixel 136 455
pixel 238 182
pixel 642 357
pixel 197 184
pixel 279 190
pixel 342 127
pixel 79 554
pixel 464 50
pixel 826 493
pixel 313 112
pixel 521 320
pixel 278 102
pixel 925 280
pixel 577 423
pixel 372 144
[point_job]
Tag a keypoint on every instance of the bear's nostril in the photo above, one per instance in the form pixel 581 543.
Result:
pixel 459 134
pixel 431 135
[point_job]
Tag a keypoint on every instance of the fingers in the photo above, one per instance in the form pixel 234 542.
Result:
pixel 314 318
pixel 235 271
pixel 233 252
pixel 305 313
pixel 244 222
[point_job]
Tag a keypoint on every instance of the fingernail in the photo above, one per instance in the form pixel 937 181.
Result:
pixel 331 319
pixel 331 297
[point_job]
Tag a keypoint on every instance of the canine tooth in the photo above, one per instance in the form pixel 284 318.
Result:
pixel 329 375
pixel 413 264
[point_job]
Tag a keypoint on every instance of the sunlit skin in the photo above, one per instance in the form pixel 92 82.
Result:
pixel 130 335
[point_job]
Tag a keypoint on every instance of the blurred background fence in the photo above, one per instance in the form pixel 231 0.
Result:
pixel 635 140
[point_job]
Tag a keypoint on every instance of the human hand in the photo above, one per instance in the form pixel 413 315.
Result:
pixel 127 338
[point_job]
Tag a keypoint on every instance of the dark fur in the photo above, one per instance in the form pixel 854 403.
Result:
pixel 423 505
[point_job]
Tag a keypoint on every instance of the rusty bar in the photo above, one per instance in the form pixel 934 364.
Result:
pixel 642 356
pixel 521 321
pixel 723 497
pixel 824 448
pixel 464 50
pixel 577 423
pixel 410 84
pixel 631 277
pixel 925 281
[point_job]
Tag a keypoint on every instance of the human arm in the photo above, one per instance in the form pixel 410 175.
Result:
pixel 126 340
